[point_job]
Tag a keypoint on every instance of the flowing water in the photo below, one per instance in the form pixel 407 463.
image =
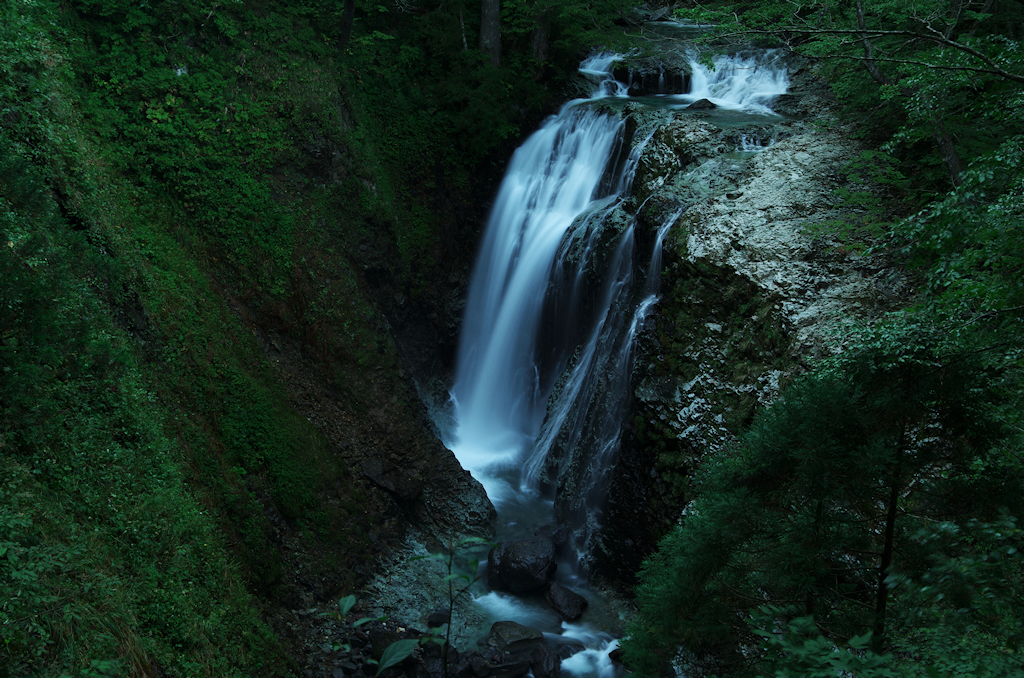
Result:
pixel 557 297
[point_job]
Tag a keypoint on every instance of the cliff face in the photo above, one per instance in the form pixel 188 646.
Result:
pixel 753 290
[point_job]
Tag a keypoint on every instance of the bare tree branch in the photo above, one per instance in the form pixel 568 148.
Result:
pixel 936 37
pixel 913 62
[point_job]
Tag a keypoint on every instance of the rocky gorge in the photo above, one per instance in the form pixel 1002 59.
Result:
pixel 753 289
pixel 327 335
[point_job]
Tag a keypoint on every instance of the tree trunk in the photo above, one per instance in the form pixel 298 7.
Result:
pixel 888 547
pixel 346 23
pixel 947 149
pixel 540 37
pixel 490 30
pixel 882 594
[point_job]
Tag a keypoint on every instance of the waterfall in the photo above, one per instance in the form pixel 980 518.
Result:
pixel 562 285
pixel 747 81
pixel 555 303
pixel 502 380
pixel 557 297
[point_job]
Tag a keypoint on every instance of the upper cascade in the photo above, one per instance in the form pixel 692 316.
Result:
pixel 748 81
pixel 598 69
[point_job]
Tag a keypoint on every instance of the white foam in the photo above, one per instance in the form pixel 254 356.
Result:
pixel 592 662
pixel 739 82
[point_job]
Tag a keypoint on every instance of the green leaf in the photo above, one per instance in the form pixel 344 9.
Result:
pixel 396 652
pixel 345 604
pixel 360 622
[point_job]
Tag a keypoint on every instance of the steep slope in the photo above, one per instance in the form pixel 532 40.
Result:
pixel 204 416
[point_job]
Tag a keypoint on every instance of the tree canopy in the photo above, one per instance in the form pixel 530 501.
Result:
pixel 867 522
pixel 851 502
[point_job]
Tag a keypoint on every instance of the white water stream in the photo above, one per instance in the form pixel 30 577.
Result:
pixel 747 81
pixel 527 330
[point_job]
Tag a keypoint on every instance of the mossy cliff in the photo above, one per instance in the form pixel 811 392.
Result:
pixel 754 289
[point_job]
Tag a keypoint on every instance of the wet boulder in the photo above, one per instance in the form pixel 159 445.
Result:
pixel 545 662
pixel 509 636
pixel 511 650
pixel 648 79
pixel 702 105
pixel 438 618
pixel 522 566
pixel 568 604
pixel 567 647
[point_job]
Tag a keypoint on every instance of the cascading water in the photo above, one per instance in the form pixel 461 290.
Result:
pixel 747 81
pixel 502 381
pixel 557 297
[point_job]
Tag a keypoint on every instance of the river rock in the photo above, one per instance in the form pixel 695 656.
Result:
pixel 522 566
pixel 702 105
pixel 567 647
pixel 438 618
pixel 513 650
pixel 568 604
pixel 512 636
pixel 653 76
pixel 545 662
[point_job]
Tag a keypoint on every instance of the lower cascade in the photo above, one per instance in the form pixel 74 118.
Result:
pixel 562 285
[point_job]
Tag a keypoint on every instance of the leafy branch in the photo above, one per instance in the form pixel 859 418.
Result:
pixel 470 577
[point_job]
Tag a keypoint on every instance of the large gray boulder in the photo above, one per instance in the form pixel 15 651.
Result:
pixel 522 566
pixel 512 650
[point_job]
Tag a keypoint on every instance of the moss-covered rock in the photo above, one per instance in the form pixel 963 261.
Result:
pixel 752 293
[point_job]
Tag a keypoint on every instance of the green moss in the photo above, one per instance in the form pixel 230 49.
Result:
pixel 108 555
pixel 144 439
pixel 714 323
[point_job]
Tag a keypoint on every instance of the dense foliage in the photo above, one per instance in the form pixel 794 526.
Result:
pixel 867 522
pixel 848 501
pixel 184 187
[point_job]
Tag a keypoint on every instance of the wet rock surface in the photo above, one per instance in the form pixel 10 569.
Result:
pixel 653 77
pixel 568 604
pixel 754 290
pixel 340 649
pixel 511 649
pixel 522 566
